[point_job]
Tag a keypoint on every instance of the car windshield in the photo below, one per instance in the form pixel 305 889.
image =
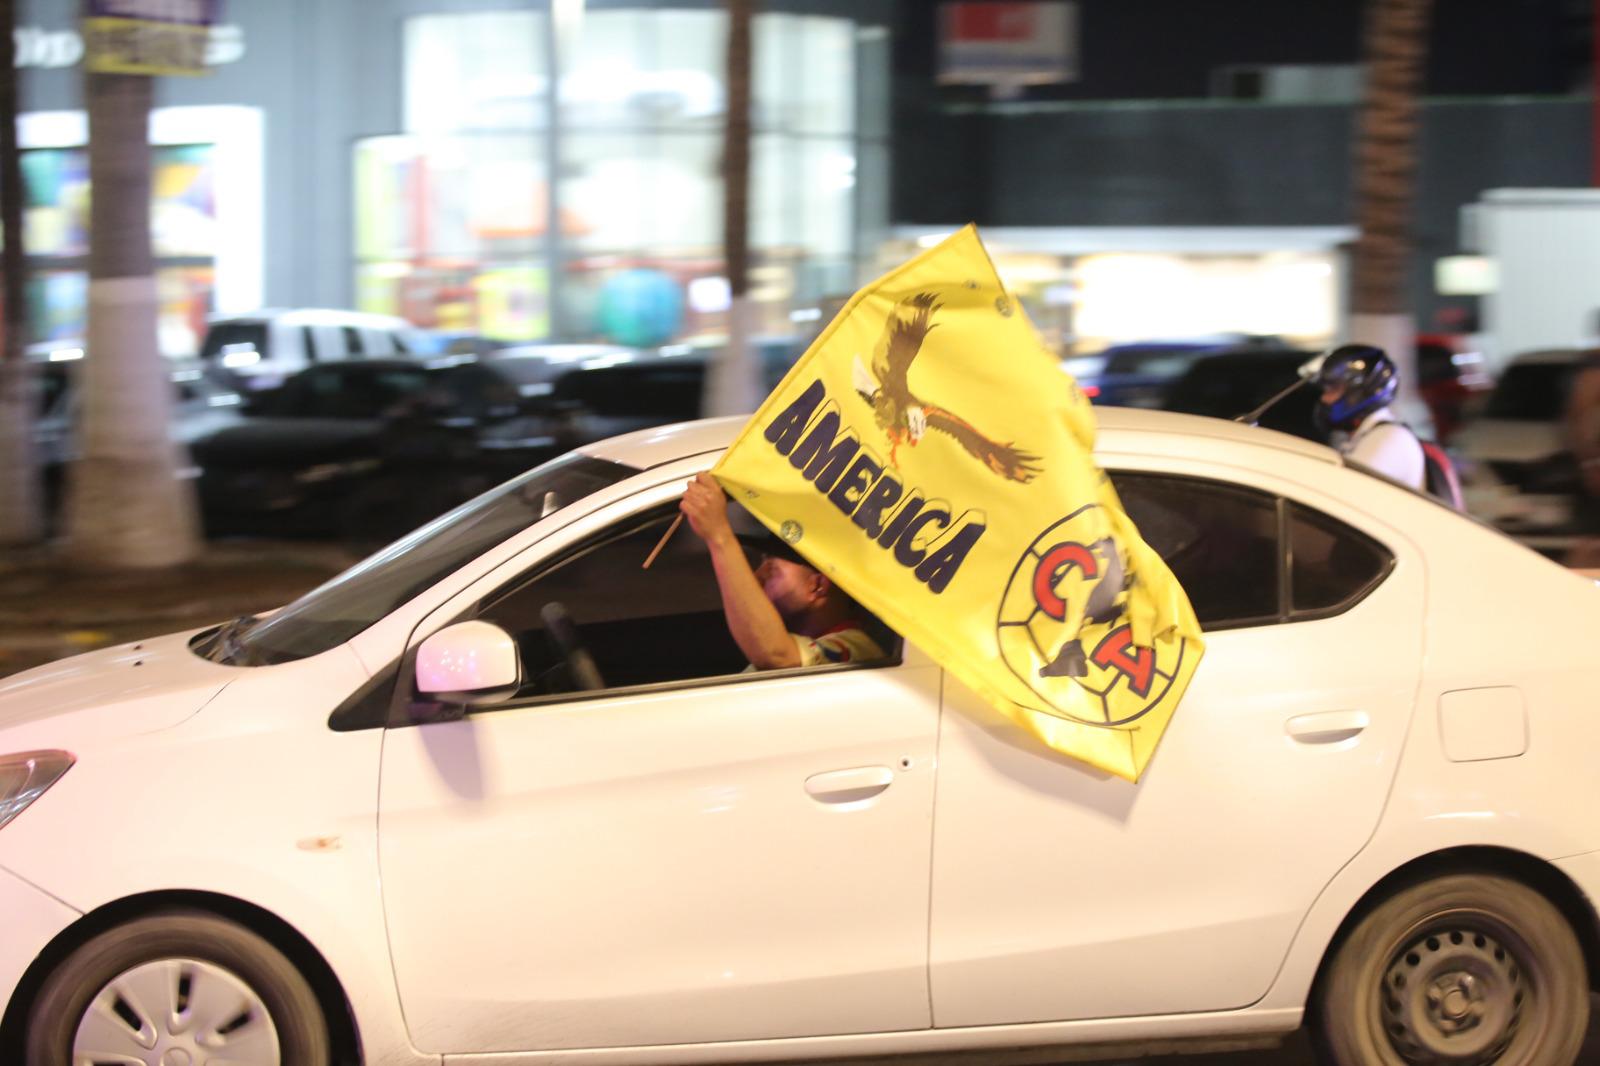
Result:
pixel 334 612
pixel 234 337
pixel 1532 392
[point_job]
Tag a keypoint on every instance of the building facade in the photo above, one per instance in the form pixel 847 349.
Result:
pixel 523 170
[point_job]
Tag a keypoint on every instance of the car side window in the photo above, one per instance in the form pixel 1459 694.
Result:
pixel 642 627
pixel 1331 565
pixel 306 395
pixel 1221 542
pixel 1246 557
pixel 479 393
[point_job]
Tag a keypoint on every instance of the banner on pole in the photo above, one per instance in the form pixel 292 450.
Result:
pixel 148 36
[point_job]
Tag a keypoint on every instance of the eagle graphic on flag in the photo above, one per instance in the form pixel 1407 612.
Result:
pixel 902 416
pixel 930 456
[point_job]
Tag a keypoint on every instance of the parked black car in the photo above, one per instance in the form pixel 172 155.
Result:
pixel 1137 375
pixel 1230 384
pixel 203 402
pixel 367 450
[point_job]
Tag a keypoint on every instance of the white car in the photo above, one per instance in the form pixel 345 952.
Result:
pixel 424 814
pixel 1517 469
pixel 265 347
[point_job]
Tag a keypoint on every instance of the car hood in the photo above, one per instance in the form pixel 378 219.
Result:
pixel 287 441
pixel 122 691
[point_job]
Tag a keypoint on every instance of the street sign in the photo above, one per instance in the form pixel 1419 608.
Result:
pixel 1008 45
pixel 148 36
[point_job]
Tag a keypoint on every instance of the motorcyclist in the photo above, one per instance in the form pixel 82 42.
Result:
pixel 1358 382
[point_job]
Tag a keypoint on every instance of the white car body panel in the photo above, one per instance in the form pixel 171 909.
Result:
pixel 33 918
pixel 134 688
pixel 1110 1036
pixel 769 911
pixel 1172 911
pixel 254 799
pixel 1198 903
pixel 1539 804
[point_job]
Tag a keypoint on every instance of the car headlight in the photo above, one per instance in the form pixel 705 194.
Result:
pixel 26 775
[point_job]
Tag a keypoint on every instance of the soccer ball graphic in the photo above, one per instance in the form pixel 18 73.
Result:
pixel 1062 628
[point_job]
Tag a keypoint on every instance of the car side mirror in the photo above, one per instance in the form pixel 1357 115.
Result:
pixel 474 663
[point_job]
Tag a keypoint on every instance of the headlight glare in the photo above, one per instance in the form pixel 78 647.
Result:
pixel 24 777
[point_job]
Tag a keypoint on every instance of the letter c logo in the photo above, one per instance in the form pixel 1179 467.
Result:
pixel 1049 571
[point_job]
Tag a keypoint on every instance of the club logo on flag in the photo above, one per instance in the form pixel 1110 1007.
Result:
pixel 1061 629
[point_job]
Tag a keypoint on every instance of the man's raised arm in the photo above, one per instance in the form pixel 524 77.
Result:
pixel 756 626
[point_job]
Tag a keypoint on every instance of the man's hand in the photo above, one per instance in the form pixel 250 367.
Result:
pixel 706 508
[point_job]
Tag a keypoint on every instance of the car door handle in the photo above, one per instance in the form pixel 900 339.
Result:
pixel 1327 727
pixel 848 786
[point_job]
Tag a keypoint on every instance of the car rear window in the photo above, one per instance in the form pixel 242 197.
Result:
pixel 1531 392
pixel 234 336
pixel 1220 541
pixel 1330 564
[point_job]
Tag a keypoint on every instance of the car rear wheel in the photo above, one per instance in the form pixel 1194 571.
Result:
pixel 177 989
pixel 1467 969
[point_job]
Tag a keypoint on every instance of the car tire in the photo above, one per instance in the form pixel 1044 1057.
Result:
pixel 1467 968
pixel 235 994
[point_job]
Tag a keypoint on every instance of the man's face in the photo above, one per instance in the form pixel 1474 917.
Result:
pixel 792 587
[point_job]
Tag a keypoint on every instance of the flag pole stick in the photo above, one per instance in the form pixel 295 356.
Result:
pixel 662 543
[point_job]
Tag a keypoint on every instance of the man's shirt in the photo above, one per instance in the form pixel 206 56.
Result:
pixel 846 642
pixel 1387 447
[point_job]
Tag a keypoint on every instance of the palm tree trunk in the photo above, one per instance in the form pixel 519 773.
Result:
pixel 20 520
pixel 733 383
pixel 126 506
pixel 1386 165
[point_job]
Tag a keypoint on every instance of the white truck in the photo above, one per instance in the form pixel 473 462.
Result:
pixel 1544 245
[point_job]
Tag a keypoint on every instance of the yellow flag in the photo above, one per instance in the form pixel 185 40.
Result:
pixel 931 457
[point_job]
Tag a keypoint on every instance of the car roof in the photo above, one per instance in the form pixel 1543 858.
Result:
pixel 1119 430
pixel 312 316
pixel 559 353
pixel 1547 355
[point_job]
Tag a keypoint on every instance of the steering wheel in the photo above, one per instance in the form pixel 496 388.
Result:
pixel 580 664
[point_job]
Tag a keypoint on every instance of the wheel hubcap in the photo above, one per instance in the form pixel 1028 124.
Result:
pixel 176 1012
pixel 1453 995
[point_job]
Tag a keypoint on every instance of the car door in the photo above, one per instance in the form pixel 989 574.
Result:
pixel 690 854
pixel 1062 893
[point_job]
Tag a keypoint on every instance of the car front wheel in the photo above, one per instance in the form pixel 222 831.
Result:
pixel 1467 969
pixel 177 987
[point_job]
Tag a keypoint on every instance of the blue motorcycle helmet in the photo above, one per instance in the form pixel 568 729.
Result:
pixel 1355 380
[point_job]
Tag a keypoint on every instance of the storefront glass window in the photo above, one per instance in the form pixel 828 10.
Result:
pixel 184 236
pixel 804 68
pixel 645 70
pixel 451 228
pixel 482 71
pixel 640 195
pixel 655 193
